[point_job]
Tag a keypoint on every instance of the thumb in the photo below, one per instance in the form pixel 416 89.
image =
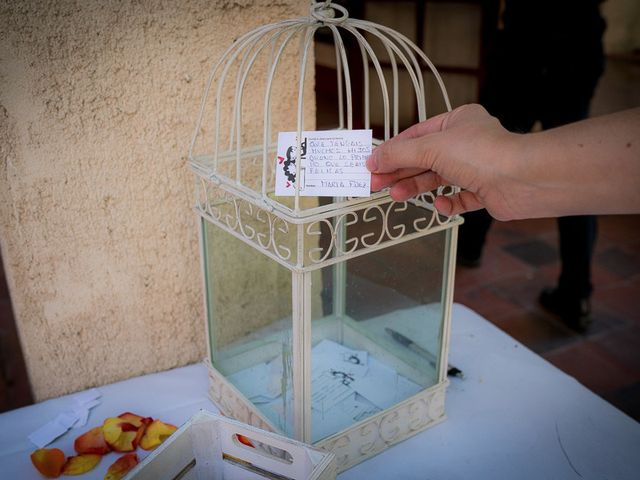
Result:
pixel 403 153
pixel 461 202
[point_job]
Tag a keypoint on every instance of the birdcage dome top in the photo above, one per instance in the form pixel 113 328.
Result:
pixel 235 140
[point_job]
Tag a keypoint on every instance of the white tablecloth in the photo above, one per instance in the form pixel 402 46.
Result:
pixel 514 415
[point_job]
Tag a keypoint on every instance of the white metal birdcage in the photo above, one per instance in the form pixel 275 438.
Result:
pixel 291 282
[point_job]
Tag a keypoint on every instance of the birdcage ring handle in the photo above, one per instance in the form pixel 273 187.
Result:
pixel 325 12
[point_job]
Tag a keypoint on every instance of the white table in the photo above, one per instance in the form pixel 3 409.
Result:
pixel 513 416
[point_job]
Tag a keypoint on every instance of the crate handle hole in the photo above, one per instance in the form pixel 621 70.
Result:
pixel 262 448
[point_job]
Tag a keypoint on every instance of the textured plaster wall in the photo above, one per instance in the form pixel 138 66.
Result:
pixel 98 100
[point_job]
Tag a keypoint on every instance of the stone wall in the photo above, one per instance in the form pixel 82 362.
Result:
pixel 98 100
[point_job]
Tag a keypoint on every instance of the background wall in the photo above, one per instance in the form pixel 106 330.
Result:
pixel 98 100
pixel 623 26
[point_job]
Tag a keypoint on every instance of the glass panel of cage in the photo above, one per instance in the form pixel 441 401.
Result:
pixel 377 339
pixel 249 315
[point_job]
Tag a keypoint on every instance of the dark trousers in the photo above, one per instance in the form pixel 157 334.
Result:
pixel 519 96
pixel 577 240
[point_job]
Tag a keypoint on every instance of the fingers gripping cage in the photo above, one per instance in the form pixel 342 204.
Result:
pixel 272 65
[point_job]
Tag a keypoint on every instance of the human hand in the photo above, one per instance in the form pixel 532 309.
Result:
pixel 466 147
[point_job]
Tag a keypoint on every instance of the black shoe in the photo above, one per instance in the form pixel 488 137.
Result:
pixel 573 311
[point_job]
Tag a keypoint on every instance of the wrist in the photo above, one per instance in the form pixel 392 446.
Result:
pixel 519 186
pixel 540 180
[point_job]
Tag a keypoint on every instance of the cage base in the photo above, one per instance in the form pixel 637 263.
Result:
pixel 357 443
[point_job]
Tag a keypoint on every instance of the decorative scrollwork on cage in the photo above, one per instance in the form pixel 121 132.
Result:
pixel 389 223
pixel 387 428
pixel 256 226
pixel 340 235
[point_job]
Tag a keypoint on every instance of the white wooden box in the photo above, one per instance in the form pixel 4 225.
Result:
pixel 207 447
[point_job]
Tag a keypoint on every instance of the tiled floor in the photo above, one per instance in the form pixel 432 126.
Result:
pixel 521 258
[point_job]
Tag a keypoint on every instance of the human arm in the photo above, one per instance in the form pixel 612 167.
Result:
pixel 589 167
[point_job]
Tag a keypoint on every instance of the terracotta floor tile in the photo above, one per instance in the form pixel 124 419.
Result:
pixel 618 229
pixel 524 290
pixel 551 271
pixel 501 238
pixel 536 331
pixel 602 277
pixel 604 321
pixel 627 399
pixel 533 252
pixel 496 265
pixel 592 367
pixel 485 302
pixel 622 298
pixel 509 233
pixel 527 228
pixel 618 261
pixel 623 345
pixel 633 246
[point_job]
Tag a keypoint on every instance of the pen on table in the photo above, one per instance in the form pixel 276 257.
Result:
pixel 431 358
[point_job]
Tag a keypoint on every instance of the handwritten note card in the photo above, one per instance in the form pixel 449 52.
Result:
pixel 332 163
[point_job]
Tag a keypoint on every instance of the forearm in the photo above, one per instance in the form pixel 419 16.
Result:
pixel 591 166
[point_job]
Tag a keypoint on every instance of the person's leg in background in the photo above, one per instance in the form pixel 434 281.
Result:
pixel 544 65
pixel 472 236
pixel 573 54
pixel 509 93
pixel 570 299
pixel 577 234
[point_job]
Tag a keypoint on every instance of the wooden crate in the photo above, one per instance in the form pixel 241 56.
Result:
pixel 208 447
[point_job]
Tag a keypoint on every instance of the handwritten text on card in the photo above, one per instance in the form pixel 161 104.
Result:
pixel 332 163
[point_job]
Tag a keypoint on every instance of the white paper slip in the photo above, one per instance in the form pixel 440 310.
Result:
pixel 344 414
pixel 77 415
pixel 332 163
